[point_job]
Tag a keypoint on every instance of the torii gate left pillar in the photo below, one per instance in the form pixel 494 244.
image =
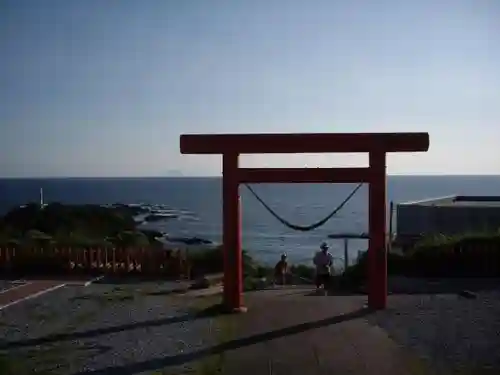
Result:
pixel 377 145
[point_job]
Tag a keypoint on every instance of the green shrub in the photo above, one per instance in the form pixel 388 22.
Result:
pixel 303 272
pixel 130 238
pixel 93 220
pixel 205 261
pixel 465 255
pixel 211 260
pixel 471 257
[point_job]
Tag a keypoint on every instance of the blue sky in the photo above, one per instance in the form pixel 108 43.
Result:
pixel 105 87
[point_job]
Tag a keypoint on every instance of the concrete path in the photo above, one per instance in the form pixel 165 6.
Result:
pixel 294 331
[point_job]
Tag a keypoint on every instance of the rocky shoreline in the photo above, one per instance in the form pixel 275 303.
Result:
pixel 117 225
pixel 145 214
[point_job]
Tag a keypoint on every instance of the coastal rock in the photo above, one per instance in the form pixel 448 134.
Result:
pixel 467 294
pixel 207 281
pixel 201 283
pixel 129 209
pixel 188 240
pixel 152 234
pixel 159 217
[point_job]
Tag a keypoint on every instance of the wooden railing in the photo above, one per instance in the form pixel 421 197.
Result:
pixel 72 261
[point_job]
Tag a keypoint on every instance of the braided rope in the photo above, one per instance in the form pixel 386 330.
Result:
pixel 306 228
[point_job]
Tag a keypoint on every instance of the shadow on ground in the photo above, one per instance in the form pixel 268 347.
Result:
pixel 404 285
pixel 55 338
pixel 132 279
pixel 416 286
pixel 180 359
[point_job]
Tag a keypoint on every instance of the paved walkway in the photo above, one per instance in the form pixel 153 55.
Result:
pixel 290 332
pixel 14 294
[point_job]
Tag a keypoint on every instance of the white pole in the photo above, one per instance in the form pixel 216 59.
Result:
pixel 346 253
pixel 391 213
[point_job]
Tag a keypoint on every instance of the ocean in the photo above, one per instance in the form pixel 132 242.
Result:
pixel 197 202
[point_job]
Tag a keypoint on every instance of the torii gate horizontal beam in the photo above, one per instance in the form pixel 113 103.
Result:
pixel 302 143
pixel 303 175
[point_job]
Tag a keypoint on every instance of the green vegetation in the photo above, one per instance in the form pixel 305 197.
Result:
pixel 45 360
pixel 106 298
pixel 91 226
pixel 466 255
pixel 83 226
pixel 460 239
pixel 210 261
pixel 56 227
pixel 222 329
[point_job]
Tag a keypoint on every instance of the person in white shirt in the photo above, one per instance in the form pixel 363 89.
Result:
pixel 323 261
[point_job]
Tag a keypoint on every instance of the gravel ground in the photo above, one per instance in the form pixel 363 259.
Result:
pixel 6 284
pixel 454 332
pixel 103 329
pixel 135 329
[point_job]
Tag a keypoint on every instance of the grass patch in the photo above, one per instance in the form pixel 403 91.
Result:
pixel 81 319
pixel 101 301
pixel 9 366
pixel 160 293
pixel 222 328
pixel 50 359
pixel 43 316
pixel 200 304
pixel 46 360
pixel 117 294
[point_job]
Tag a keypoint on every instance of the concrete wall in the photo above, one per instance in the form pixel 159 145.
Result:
pixel 416 219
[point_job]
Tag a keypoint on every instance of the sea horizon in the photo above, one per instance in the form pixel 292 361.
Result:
pixel 220 176
pixel 198 202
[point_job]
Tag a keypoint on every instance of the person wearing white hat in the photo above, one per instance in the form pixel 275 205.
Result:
pixel 323 261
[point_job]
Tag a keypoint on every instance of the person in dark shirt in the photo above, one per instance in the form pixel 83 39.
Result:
pixel 280 270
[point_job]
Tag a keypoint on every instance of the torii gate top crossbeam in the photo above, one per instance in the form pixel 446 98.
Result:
pixel 302 143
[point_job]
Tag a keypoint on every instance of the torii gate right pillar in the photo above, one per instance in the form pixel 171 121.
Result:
pixel 377 249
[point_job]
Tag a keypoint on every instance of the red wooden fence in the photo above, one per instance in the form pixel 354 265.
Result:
pixel 142 261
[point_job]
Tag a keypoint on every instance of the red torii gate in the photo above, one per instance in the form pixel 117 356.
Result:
pixel 232 145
